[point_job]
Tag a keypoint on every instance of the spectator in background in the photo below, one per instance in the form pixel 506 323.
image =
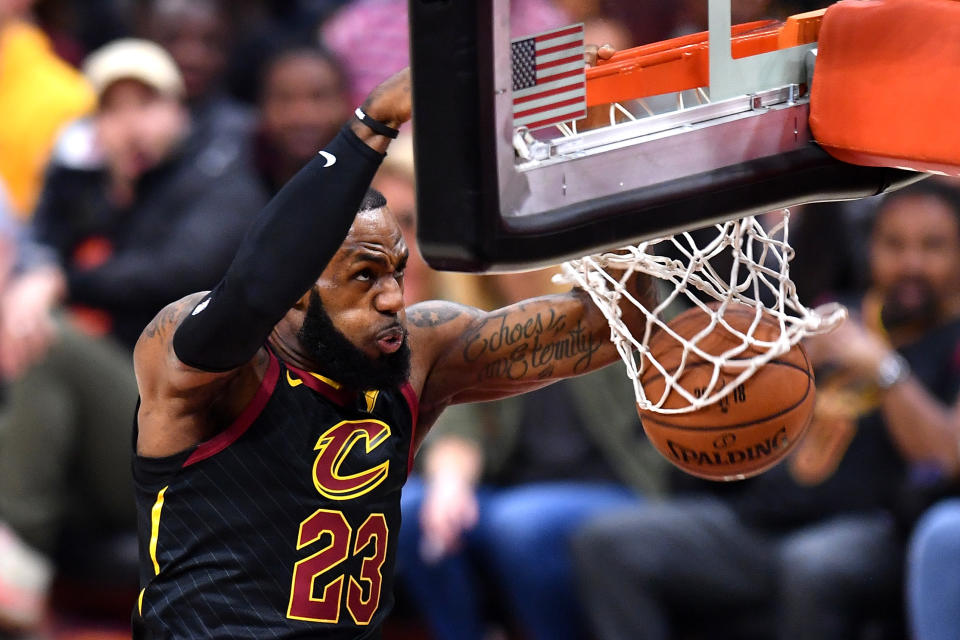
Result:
pixel 818 539
pixel 933 573
pixel 303 104
pixel 367 59
pixel 692 16
pixel 600 24
pixel 198 34
pixel 80 26
pixel 830 240
pixel 137 203
pixel 933 560
pixel 649 21
pixel 17 608
pixel 39 93
pixel 260 25
pixel 504 486
pixel 137 212
pixel 16 249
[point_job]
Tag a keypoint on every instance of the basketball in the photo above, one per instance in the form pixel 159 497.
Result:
pixel 747 431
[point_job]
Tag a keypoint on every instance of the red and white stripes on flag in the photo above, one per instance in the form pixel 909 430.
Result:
pixel 549 78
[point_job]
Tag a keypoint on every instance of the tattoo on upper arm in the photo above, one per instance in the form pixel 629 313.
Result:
pixel 434 314
pixel 168 319
pixel 530 348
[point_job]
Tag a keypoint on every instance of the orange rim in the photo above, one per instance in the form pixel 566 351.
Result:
pixel 683 63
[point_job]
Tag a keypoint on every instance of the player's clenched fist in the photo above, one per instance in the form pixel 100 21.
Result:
pixel 391 102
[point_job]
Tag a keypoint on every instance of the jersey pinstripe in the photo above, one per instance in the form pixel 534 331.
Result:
pixel 282 526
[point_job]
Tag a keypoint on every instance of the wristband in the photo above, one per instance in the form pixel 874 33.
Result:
pixel 375 125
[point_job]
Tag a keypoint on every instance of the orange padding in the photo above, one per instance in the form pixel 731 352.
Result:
pixel 683 63
pixel 886 86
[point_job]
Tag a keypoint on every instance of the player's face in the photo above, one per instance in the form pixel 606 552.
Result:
pixel 336 356
pixel 399 191
pixel 915 257
pixel 361 289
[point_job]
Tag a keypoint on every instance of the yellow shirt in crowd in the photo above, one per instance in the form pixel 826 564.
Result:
pixel 39 93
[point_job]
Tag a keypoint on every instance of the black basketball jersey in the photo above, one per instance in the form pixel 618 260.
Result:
pixel 285 524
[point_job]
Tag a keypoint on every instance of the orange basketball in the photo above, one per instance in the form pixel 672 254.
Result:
pixel 749 430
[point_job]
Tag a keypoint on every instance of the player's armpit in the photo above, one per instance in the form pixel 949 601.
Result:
pixel 180 405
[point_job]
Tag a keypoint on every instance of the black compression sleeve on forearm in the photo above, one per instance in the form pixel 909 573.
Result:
pixel 284 252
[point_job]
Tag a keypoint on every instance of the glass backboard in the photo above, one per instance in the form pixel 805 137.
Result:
pixel 701 117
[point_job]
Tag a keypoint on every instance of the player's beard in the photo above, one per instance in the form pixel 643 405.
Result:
pixel 340 360
pixel 910 302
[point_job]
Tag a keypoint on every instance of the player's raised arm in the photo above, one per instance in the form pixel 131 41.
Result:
pixel 197 347
pixel 472 355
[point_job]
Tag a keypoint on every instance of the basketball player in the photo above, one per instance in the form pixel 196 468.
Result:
pixel 280 412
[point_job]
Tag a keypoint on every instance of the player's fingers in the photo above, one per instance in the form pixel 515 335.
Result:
pixel 391 100
pixel 593 53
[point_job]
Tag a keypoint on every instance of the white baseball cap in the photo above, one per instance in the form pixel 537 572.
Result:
pixel 133 59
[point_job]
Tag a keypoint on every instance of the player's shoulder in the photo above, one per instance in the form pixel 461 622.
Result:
pixel 169 318
pixel 155 344
pixel 434 326
pixel 433 314
pixel 162 376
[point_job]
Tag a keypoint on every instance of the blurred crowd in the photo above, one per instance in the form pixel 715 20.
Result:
pixel 139 138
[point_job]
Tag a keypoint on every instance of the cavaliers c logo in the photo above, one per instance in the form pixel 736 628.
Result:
pixel 335 445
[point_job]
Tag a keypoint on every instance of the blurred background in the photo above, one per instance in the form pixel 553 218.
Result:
pixel 139 138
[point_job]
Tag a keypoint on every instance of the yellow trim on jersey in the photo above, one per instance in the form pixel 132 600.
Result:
pixel 140 601
pixel 155 528
pixel 371 398
pixel 296 382
pixel 333 383
pixel 293 382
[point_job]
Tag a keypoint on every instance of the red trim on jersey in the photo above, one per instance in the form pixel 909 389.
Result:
pixel 239 426
pixel 414 403
pixel 342 396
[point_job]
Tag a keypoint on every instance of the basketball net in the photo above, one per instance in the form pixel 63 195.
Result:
pixel 759 277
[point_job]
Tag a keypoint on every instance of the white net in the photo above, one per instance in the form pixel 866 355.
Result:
pixel 744 263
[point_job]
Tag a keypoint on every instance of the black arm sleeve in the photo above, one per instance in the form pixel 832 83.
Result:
pixel 283 253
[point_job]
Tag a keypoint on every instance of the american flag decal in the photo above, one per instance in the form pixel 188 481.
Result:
pixel 549 78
